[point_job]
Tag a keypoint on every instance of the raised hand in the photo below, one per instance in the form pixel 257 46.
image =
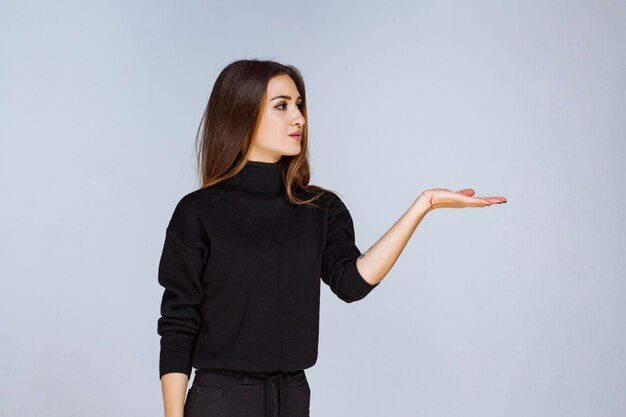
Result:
pixel 444 198
pixel 375 263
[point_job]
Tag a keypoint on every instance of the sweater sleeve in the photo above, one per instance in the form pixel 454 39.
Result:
pixel 180 269
pixel 340 253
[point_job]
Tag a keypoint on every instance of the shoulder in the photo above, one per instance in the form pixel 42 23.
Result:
pixel 321 197
pixel 334 200
pixel 187 205
pixel 198 201
pixel 189 218
pixel 332 203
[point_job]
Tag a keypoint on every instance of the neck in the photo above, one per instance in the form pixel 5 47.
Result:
pixel 260 178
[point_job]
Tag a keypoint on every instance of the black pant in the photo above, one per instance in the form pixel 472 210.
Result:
pixel 225 393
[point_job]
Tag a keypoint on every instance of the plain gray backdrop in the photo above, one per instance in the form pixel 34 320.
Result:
pixel 515 309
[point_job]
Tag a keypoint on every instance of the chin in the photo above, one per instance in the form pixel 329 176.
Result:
pixel 292 152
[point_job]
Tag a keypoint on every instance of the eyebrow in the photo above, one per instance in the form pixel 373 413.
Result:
pixel 284 96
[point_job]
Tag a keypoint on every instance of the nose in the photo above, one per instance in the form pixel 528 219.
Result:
pixel 299 120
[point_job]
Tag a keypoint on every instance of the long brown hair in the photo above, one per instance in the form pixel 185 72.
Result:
pixel 231 119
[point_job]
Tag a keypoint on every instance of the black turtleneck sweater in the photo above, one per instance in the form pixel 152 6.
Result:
pixel 241 269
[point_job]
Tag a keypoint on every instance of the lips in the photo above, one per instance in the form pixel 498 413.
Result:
pixel 296 134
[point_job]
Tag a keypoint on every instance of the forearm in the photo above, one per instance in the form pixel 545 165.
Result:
pixel 377 261
pixel 174 387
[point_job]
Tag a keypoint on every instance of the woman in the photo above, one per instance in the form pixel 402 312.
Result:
pixel 243 254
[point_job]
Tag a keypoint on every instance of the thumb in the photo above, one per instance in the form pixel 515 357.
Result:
pixel 467 191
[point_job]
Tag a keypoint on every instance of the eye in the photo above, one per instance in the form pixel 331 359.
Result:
pixel 300 105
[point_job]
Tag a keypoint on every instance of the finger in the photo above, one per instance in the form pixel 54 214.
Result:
pixel 494 200
pixel 476 202
pixel 482 201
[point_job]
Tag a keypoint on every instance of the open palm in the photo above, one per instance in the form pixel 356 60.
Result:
pixel 444 198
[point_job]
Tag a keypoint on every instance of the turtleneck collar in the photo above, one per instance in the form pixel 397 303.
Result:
pixel 260 178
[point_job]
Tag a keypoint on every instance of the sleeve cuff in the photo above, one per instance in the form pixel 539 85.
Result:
pixel 355 287
pixel 170 363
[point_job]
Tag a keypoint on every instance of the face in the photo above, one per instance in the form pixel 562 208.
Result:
pixel 280 117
